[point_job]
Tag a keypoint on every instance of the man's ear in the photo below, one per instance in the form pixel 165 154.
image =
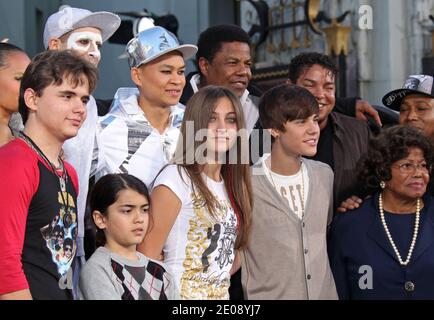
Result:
pixel 135 76
pixel 31 99
pixel 99 219
pixel 274 133
pixel 54 44
pixel 203 66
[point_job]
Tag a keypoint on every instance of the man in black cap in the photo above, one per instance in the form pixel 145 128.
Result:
pixel 415 103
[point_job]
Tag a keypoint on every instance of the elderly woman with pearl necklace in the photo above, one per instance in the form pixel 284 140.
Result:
pixel 385 248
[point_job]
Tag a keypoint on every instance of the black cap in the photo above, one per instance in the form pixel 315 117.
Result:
pixel 416 84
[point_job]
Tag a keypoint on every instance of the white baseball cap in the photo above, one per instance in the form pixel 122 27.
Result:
pixel 68 19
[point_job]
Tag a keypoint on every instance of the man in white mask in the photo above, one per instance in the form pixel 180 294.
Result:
pixel 84 32
pixel 80 30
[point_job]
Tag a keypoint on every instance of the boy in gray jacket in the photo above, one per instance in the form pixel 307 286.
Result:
pixel 287 254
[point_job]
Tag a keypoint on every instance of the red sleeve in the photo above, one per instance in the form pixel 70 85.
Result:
pixel 19 180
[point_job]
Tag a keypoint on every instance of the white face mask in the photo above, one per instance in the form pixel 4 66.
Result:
pixel 88 42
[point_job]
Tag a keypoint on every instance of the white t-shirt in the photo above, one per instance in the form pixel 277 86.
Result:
pixel 199 251
pixel 290 187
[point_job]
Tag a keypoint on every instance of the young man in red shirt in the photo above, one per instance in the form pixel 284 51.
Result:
pixel 38 191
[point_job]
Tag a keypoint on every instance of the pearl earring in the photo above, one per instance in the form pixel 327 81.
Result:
pixel 382 184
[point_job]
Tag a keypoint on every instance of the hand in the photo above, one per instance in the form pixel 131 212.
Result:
pixel 363 107
pixel 350 204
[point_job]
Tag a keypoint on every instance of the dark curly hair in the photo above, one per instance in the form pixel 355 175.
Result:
pixel 389 146
pixel 306 60
pixel 210 41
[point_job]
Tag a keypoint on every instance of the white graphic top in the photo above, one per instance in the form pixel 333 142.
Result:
pixel 199 250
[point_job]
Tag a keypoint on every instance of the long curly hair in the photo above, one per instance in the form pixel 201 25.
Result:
pixel 389 146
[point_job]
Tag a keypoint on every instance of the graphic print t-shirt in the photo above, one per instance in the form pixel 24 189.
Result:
pixel 199 251
pixel 293 189
pixel 38 225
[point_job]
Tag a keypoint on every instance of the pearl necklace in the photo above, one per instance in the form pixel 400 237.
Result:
pixel 389 236
pixel 302 185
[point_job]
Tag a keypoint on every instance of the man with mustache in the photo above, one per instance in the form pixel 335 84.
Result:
pixel 343 139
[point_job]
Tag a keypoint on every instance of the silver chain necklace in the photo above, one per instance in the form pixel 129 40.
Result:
pixel 62 178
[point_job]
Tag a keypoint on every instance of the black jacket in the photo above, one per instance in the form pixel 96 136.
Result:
pixel 350 141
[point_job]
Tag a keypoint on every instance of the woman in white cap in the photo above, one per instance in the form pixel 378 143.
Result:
pixel 139 134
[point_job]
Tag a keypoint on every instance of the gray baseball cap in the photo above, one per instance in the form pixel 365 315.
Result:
pixel 416 84
pixel 68 19
pixel 153 43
